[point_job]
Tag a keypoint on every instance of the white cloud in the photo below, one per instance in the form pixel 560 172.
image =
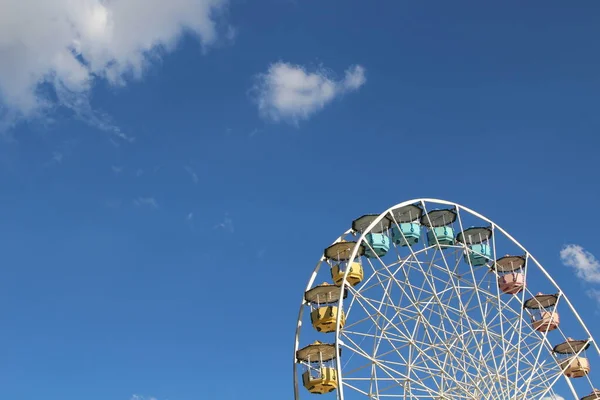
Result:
pixel 290 92
pixel 116 169
pixel 586 266
pixel 553 397
pixel 146 201
pixel 58 48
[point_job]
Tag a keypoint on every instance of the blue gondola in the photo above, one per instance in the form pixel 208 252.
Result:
pixel 478 254
pixel 443 234
pixel 379 245
pixel 408 234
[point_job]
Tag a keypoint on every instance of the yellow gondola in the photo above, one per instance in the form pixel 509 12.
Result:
pixel 320 375
pixel 341 252
pixel 321 300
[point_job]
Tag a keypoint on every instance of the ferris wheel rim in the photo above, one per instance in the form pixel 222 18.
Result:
pixel 361 238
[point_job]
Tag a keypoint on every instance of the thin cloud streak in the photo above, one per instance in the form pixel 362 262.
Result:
pixel 594 294
pixel 226 224
pixel 57 157
pixel 146 201
pixel 193 174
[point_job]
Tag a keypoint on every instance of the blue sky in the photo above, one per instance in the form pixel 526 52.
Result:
pixel 162 209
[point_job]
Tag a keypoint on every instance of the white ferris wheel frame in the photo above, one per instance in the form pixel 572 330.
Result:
pixel 360 239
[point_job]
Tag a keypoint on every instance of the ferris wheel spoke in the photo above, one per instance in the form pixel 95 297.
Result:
pixel 389 301
pixel 375 316
pixel 501 308
pixel 368 379
pixel 363 287
pixel 463 311
pixel 543 385
pixel 544 344
pixel 374 384
pixel 519 356
pixel 391 373
pixel 444 345
pixel 366 285
pixel 356 389
pixel 399 338
pixel 528 350
pixel 352 289
pixel 554 366
pixel 436 329
pixel 377 344
pixel 385 335
pixel 519 330
pixel 349 375
pixel 375 276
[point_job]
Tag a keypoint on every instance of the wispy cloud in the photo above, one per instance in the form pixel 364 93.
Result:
pixel 139 172
pixel 193 174
pixel 585 264
pixel 57 157
pixel 63 48
pixel 594 294
pixel 146 201
pixel 189 221
pixel 79 104
pixel 288 92
pixel 62 150
pixel 254 132
pixel 116 169
pixel 139 397
pixel 226 224
pixel 553 397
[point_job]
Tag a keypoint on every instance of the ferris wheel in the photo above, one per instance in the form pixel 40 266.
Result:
pixel 431 300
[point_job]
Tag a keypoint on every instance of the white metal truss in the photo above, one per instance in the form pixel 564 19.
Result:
pixel 427 324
